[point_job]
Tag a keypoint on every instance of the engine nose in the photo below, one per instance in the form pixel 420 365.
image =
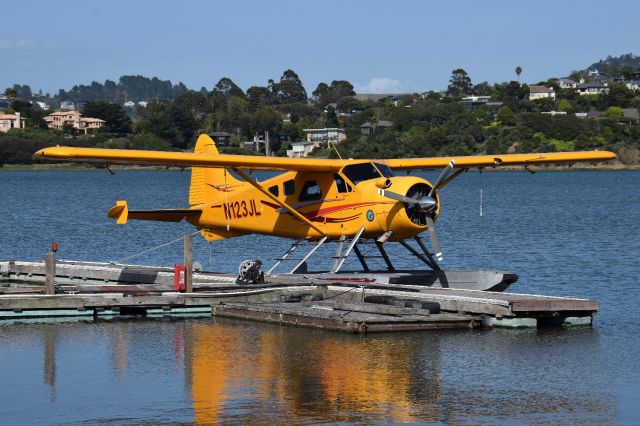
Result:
pixel 426 205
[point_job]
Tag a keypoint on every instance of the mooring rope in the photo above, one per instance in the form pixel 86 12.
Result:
pixel 481 187
pixel 152 249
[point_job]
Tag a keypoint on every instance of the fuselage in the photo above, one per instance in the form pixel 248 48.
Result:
pixel 339 204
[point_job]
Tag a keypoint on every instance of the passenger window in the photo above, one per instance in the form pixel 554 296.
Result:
pixel 310 191
pixel 341 185
pixel 289 187
pixel 274 190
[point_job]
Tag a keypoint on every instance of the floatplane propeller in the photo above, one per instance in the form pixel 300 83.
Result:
pixel 422 205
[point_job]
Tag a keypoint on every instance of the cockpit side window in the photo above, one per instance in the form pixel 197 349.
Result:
pixel 341 185
pixel 310 191
pixel 289 187
pixel 384 169
pixel 361 172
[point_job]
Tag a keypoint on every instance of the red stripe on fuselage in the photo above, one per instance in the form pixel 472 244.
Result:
pixel 319 214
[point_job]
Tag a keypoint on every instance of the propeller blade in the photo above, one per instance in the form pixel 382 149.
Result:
pixel 442 177
pixel 396 196
pixel 435 241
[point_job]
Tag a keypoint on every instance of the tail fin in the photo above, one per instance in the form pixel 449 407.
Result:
pixel 209 183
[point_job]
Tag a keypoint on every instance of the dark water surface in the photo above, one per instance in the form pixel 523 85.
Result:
pixel 568 233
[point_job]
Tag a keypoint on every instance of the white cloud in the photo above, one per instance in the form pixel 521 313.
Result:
pixel 381 85
pixel 15 44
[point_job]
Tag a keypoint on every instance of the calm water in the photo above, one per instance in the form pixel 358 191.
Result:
pixel 571 233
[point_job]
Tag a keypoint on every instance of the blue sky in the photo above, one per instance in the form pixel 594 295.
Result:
pixel 382 46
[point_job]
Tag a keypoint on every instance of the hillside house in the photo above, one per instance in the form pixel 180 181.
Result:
pixel 566 83
pixel 58 119
pixel 368 128
pixel 541 92
pixel 11 121
pixel 221 138
pixel 326 135
pixel 301 149
pixel 592 88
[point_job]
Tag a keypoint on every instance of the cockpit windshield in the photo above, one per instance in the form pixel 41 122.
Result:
pixel 361 172
pixel 384 169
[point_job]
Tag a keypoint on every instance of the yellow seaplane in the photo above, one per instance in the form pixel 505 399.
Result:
pixel 316 200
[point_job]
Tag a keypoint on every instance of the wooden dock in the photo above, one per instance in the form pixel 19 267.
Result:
pixel 99 290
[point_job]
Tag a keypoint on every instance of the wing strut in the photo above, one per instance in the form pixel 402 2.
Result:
pixel 290 209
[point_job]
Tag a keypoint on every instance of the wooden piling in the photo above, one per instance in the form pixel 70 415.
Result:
pixel 188 263
pixel 50 271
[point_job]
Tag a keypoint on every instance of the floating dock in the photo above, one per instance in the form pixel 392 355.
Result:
pixel 357 303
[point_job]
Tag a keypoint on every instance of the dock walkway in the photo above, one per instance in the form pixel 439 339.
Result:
pixel 98 290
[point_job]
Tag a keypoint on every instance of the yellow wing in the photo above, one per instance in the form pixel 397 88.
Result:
pixel 188 159
pixel 499 160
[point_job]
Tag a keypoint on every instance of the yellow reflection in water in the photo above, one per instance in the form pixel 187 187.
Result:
pixel 336 376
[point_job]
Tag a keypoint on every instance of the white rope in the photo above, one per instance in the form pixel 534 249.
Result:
pixel 481 185
pixel 152 249
pixel 227 209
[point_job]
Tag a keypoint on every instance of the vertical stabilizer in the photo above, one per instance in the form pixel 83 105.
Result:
pixel 208 184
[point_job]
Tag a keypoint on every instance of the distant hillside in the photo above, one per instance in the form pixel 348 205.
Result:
pixel 614 66
pixel 129 88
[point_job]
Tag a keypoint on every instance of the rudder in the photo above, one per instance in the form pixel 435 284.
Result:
pixel 209 183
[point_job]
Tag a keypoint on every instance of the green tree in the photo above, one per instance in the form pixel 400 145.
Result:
pixel 68 129
pixel 331 118
pixel 615 113
pixel 349 104
pixel 482 89
pixel 113 114
pixel 459 83
pixel 10 94
pixel 156 119
pixel 618 95
pixel 194 101
pixel 266 119
pixel 259 97
pixel 237 108
pixel 289 89
pixel 186 125
pixel 565 105
pixel 33 115
pixel 506 117
pixel 326 94
pixel 227 88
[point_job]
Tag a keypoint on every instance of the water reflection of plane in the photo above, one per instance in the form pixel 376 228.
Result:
pixel 304 373
pixel 257 373
pixel 264 373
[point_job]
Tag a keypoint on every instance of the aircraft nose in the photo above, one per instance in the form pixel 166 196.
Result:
pixel 427 203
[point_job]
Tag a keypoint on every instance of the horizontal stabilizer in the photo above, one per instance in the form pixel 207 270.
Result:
pixel 122 214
